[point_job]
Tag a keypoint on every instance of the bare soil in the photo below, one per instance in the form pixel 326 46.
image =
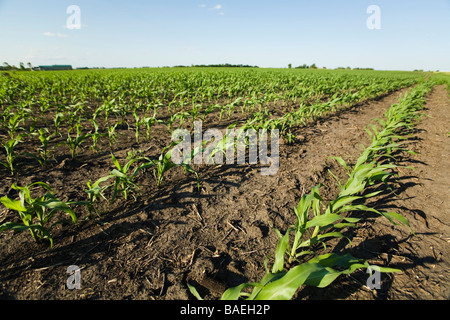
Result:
pixel 220 236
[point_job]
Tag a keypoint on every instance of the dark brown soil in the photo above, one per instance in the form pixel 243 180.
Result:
pixel 217 238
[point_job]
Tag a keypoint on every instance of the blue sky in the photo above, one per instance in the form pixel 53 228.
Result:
pixel 268 33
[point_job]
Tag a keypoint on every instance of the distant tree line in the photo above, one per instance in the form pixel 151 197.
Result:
pixel 305 66
pixel 223 65
pixel 88 68
pixel 348 68
pixel 7 67
pixel 313 66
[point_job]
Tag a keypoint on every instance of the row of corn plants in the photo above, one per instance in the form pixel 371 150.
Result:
pixel 297 258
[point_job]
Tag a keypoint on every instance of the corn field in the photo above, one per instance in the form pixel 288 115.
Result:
pixel 80 148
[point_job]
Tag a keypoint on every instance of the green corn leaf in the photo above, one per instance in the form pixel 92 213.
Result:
pixel 234 293
pixel 285 287
pixel 280 251
pixel 323 220
pixel 21 227
pixel 128 165
pixel 41 184
pixel 303 208
pixel 392 216
pixel 342 201
pixel 269 277
pixel 12 204
pixel 308 242
pixel 57 205
pixel 116 173
pixel 144 166
pixel 99 181
pixel 342 163
pixel 116 163
pixel 194 291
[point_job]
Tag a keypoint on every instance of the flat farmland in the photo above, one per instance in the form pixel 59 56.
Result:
pixel 358 181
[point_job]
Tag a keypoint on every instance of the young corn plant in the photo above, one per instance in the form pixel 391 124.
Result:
pixel 313 227
pixel 223 110
pixel 319 272
pixel 45 138
pixel 123 180
pixel 43 151
pixel 208 110
pixel 108 107
pixel 149 122
pixel 73 115
pixel 290 137
pixel 74 143
pixel 366 175
pixel 58 121
pixel 96 190
pixel 11 154
pixel 13 124
pixel 32 126
pixel 195 112
pixel 230 141
pixel 181 116
pixel 112 134
pixel 139 123
pixel 35 213
pixel 373 166
pixel 95 135
pixel 164 163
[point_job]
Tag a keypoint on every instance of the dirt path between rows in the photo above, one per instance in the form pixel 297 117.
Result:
pixel 426 202
pixel 220 237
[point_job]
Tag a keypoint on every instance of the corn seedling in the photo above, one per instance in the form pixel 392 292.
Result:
pixel 95 135
pixel 123 181
pixel 311 230
pixel 290 138
pixel 58 120
pixel 35 213
pixel 112 134
pixel 107 108
pixel 139 123
pixel 73 114
pixel 319 272
pixel 11 155
pixel 43 152
pixel 13 124
pixel 181 116
pixel 164 163
pixel 33 122
pixel 195 112
pixel 149 122
pixel 74 143
pixel 207 111
pixel 370 168
pixel 95 191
